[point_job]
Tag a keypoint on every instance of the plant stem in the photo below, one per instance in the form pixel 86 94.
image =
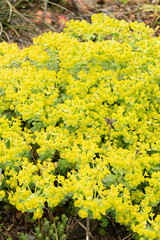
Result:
pixel 87 230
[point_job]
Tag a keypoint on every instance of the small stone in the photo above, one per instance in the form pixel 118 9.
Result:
pixel 85 5
pixel 115 7
pixel 132 17
pixel 30 237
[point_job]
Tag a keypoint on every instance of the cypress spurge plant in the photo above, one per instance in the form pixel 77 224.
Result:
pixel 87 99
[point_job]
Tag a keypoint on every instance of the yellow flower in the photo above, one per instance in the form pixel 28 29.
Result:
pixel 83 213
pixel 38 213
pixel 78 203
pixel 2 194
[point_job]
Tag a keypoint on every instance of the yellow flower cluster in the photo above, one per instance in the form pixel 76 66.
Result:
pixel 79 118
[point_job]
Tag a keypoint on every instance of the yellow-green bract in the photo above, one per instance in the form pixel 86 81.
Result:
pixel 82 109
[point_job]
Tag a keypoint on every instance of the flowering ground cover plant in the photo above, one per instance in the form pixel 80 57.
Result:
pixel 79 115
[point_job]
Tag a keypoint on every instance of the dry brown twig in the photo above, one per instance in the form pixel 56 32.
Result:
pixel 10 12
pixel 45 8
pixel 87 227
pixel 57 5
pixel 119 238
pixel 128 237
pixel 83 226
pixel 54 224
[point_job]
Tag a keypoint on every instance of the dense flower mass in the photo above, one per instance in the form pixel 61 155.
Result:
pixel 80 119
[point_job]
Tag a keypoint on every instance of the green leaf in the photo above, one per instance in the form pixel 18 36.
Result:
pixel 109 179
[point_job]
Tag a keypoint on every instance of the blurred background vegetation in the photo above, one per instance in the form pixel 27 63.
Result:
pixel 21 20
